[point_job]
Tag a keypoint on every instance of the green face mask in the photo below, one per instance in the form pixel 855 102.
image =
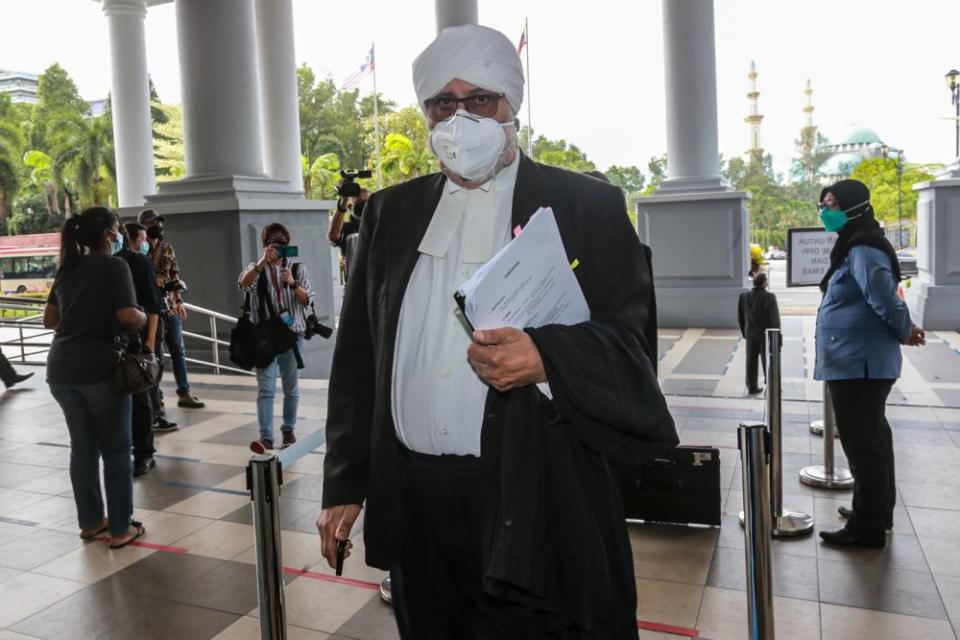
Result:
pixel 832 219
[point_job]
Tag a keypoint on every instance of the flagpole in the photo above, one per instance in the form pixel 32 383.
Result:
pixel 526 32
pixel 376 115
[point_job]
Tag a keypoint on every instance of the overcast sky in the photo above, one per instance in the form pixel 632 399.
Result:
pixel 597 67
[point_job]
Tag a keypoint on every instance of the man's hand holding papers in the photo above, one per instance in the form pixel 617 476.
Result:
pixel 506 358
pixel 529 283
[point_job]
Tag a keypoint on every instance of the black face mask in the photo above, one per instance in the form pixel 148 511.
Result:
pixel 155 232
pixel 358 208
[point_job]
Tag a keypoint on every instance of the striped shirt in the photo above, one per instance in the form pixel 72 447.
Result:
pixel 282 297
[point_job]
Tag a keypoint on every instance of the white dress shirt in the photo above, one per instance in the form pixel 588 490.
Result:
pixel 438 400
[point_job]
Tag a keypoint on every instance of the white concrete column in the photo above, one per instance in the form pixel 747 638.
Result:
pixel 278 91
pixel 691 90
pixel 130 98
pixel 453 13
pixel 220 88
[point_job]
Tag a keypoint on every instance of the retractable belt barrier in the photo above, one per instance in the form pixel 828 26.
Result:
pixel 264 477
pixel 784 522
pixel 827 475
pixel 753 440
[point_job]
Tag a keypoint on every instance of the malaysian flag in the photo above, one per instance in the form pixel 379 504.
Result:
pixel 365 69
pixel 523 41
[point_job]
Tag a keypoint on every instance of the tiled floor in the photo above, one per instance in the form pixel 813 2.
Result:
pixel 193 574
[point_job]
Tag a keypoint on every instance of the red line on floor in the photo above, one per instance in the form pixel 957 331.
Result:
pixel 159 547
pixel 667 628
pixel 363 584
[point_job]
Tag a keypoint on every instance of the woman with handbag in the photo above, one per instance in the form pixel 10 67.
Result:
pixel 92 301
pixel 283 292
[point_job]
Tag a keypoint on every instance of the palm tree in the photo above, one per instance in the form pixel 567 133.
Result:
pixel 322 176
pixel 10 144
pixel 83 151
pixel 44 178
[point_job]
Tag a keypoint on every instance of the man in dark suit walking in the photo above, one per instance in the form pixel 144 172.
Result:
pixel 480 458
pixel 757 312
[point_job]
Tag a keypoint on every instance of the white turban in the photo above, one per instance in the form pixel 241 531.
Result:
pixel 478 55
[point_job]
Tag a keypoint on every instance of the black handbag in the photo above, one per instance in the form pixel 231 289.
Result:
pixel 270 334
pixel 134 372
pixel 241 338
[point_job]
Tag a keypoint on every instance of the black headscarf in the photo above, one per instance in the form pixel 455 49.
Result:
pixel 862 227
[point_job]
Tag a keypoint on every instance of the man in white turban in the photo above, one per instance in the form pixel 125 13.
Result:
pixel 482 458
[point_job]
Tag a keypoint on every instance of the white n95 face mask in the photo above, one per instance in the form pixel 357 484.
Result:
pixel 468 145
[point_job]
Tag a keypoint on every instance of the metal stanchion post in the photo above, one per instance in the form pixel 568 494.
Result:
pixel 786 522
pixel 264 477
pixel 816 427
pixel 753 441
pixel 827 475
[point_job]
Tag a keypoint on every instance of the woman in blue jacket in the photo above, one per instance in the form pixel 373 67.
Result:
pixel 860 327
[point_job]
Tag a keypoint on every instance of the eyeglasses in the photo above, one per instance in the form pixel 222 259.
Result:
pixel 445 105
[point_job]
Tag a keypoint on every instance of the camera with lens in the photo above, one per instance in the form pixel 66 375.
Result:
pixel 315 327
pixel 348 186
pixel 175 286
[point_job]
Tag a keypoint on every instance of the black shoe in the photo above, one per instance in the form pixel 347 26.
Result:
pixel 190 401
pixel 846 537
pixel 141 467
pixel 163 425
pixel 16 379
pixel 846 512
pixel 754 392
pixel 288 439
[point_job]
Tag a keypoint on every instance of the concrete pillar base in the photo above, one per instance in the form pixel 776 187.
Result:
pixel 217 237
pixel 934 295
pixel 700 255
pixel 934 308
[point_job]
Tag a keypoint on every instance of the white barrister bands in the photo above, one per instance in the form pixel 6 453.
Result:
pixel 478 55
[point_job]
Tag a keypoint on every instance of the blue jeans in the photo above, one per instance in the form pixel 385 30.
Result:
pixel 284 365
pixel 98 419
pixel 173 336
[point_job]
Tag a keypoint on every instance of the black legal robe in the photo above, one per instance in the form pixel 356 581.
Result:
pixel 620 412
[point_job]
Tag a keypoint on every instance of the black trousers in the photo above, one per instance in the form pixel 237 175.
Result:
pixel 142 425
pixel 756 350
pixel 868 444
pixel 437 588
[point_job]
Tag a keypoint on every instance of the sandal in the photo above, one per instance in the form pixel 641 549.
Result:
pixel 94 532
pixel 140 531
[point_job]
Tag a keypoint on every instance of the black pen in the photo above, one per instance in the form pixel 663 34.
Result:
pixel 341 549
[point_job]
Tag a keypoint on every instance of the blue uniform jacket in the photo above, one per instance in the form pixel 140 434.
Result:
pixel 861 323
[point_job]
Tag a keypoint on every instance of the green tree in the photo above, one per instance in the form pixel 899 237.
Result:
pixel 29 216
pixel 880 176
pixel 321 177
pixel 83 151
pixel 11 146
pixel 58 101
pixel 657 167
pixel 405 151
pixel 806 168
pixel 773 209
pixel 44 178
pixel 168 144
pixel 628 178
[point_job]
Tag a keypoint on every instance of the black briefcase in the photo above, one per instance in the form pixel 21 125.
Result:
pixel 680 486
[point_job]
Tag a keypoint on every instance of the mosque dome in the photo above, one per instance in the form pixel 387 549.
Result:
pixel 862 137
pixel 842 164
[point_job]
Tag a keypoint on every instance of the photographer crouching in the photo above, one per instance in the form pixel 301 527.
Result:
pixel 283 289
